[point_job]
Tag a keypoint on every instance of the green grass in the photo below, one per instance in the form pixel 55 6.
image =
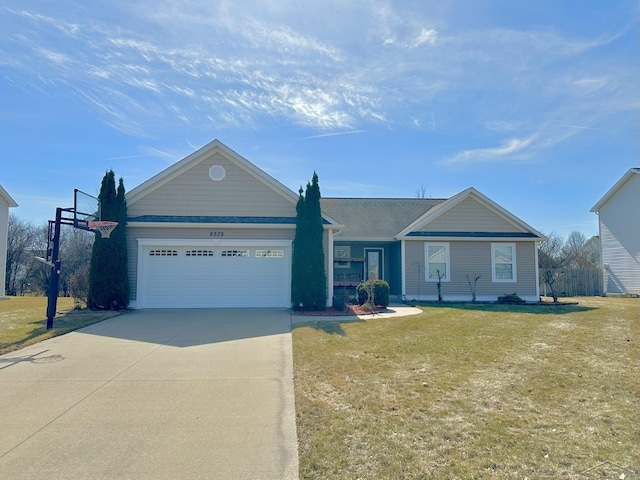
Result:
pixel 471 392
pixel 23 320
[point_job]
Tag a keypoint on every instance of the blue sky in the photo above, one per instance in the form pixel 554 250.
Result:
pixel 533 103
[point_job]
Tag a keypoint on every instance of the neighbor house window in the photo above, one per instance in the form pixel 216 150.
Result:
pixel 503 262
pixel 437 264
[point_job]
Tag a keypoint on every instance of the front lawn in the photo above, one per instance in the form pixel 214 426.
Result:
pixel 23 320
pixel 471 392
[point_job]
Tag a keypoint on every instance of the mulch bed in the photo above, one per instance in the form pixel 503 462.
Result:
pixel 351 310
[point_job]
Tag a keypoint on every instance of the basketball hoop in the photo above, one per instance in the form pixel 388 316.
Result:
pixel 104 227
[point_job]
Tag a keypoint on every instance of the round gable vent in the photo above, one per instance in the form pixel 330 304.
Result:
pixel 217 173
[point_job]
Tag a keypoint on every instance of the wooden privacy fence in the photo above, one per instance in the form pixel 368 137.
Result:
pixel 573 282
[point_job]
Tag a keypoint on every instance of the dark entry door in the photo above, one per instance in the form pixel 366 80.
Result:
pixel 374 264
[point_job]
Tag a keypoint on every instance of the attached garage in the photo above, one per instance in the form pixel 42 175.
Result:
pixel 196 274
pixel 212 230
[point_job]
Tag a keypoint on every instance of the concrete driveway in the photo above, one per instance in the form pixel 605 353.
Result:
pixel 154 394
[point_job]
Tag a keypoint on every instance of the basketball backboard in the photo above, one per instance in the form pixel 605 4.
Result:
pixel 86 208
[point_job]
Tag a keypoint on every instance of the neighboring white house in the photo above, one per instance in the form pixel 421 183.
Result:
pixel 619 223
pixel 5 202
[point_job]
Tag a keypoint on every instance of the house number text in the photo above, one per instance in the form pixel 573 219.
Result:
pixel 216 234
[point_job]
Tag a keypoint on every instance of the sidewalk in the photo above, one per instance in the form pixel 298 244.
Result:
pixel 395 310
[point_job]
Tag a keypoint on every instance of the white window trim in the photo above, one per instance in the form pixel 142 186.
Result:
pixel 513 263
pixel 447 277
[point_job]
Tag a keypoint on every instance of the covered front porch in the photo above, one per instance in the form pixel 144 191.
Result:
pixel 356 262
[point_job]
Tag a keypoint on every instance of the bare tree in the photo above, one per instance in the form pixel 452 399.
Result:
pixel 476 277
pixel 551 257
pixel 551 252
pixel 439 284
pixel 21 236
pixel 35 278
pixel 590 253
pixel 557 253
pixel 421 192
pixel 572 249
pixel 75 254
pixel 25 241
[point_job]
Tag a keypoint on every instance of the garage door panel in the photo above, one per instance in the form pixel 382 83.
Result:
pixel 186 277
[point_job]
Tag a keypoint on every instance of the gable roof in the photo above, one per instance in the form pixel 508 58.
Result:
pixel 216 146
pixel 526 231
pixel 377 219
pixel 632 171
pixel 198 156
pixel 7 198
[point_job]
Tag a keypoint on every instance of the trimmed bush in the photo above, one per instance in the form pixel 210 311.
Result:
pixel 340 300
pixel 510 298
pixel 380 292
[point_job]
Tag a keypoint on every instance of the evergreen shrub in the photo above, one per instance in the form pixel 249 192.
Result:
pixel 510 298
pixel 340 300
pixel 380 292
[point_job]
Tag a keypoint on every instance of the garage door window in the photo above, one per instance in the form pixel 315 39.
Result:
pixel 235 253
pixel 270 253
pixel 199 253
pixel 163 253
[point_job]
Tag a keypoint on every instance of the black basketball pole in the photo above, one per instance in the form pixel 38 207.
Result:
pixel 52 294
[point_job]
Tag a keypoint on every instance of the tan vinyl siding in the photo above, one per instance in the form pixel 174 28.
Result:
pixel 194 193
pixel 135 233
pixel 470 216
pixel 620 238
pixel 469 258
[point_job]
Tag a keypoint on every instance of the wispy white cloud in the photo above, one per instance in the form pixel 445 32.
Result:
pixel 333 134
pixel 500 125
pixel 426 36
pixel 198 64
pixel 65 27
pixel 591 84
pixel 511 149
pixel 349 189
pixel 589 128
pixel 55 57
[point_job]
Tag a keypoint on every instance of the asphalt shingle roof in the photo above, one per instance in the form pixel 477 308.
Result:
pixel 375 218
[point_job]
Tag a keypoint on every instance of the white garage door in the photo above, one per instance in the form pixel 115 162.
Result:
pixel 220 276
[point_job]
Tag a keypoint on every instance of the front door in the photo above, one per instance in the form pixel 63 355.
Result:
pixel 373 263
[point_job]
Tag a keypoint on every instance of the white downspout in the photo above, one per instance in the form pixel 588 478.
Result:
pixel 537 267
pixel 330 269
pixel 404 270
